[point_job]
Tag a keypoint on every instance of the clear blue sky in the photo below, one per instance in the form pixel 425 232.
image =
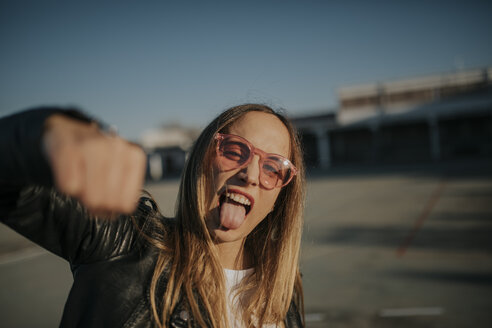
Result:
pixel 137 64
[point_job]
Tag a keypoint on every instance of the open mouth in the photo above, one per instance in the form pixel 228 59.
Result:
pixel 236 198
pixel 234 207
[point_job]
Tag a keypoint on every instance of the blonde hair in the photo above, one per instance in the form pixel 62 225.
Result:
pixel 188 257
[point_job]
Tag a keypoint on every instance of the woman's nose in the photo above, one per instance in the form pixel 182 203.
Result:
pixel 251 173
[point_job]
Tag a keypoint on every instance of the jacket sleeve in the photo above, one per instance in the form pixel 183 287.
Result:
pixel 22 161
pixel 30 205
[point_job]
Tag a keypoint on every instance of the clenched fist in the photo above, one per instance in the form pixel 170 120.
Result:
pixel 106 173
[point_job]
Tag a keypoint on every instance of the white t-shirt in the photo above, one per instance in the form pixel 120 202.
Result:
pixel 232 279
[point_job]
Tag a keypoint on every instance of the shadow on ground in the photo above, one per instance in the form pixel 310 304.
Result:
pixel 469 168
pixel 462 239
pixel 345 319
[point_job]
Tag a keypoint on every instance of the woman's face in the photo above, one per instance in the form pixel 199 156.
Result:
pixel 229 220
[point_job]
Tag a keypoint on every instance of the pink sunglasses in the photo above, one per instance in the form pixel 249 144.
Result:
pixel 236 152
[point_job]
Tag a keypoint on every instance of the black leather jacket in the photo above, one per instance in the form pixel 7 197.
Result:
pixel 111 263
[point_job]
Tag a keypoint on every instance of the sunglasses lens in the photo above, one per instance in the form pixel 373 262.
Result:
pixel 233 153
pixel 275 171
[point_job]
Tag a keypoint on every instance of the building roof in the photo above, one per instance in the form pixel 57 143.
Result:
pixel 469 104
pixel 454 79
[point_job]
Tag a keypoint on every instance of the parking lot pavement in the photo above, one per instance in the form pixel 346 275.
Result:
pixel 381 248
pixel 408 249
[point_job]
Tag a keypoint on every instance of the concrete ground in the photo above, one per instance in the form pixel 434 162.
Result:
pixel 383 247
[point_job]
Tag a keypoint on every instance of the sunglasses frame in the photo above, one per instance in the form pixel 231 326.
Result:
pixel 219 137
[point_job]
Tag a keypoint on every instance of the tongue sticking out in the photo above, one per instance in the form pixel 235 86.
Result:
pixel 232 215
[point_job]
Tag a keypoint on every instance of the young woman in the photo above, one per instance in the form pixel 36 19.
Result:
pixel 228 259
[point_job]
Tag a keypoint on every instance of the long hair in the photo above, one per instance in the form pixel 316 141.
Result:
pixel 188 257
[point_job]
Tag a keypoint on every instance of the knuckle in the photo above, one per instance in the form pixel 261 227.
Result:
pixel 137 152
pixel 90 200
pixel 128 208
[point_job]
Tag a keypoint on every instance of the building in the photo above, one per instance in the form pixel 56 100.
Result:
pixel 429 118
pixel 315 137
pixel 167 149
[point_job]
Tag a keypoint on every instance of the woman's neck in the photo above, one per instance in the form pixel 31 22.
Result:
pixel 232 255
